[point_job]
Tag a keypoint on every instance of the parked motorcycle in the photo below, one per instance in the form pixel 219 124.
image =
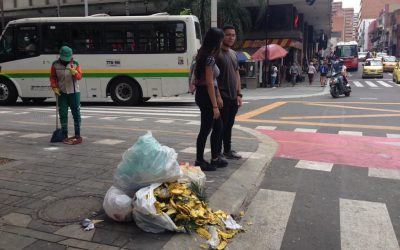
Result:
pixel 335 83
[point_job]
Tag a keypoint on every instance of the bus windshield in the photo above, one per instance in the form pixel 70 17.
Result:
pixel 346 51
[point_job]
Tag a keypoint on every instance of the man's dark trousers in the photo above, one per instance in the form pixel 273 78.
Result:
pixel 228 113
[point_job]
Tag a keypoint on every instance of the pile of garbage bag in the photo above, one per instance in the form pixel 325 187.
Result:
pixel 151 188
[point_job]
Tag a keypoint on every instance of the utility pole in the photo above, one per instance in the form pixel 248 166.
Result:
pixel 58 8
pixel 2 14
pixel 214 11
pixel 266 44
pixel 86 8
pixel 127 8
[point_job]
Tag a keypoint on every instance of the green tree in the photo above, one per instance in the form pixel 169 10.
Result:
pixel 231 12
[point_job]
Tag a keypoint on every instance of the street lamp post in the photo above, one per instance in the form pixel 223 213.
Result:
pixel 146 2
pixel 266 44
pixel 86 8
pixel 214 11
pixel 58 8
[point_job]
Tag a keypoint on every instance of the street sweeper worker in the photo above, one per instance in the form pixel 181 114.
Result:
pixel 64 76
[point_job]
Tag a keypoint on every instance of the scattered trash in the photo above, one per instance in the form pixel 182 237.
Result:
pixel 193 174
pixel 213 241
pixel 181 207
pixel 241 213
pixel 230 223
pixel 89 227
pixel 88 224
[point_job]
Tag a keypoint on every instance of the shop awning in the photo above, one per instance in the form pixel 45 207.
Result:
pixel 285 43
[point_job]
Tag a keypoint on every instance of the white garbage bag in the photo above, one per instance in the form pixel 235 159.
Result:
pixel 193 174
pixel 145 213
pixel 118 205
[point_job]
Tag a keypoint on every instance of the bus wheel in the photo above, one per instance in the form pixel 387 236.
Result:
pixel 124 91
pixel 8 92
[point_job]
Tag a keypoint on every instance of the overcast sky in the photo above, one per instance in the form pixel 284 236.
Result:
pixel 350 4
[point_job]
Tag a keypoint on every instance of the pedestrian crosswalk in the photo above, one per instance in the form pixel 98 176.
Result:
pixel 274 218
pixel 373 84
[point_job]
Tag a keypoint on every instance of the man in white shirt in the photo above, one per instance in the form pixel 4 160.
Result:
pixel 274 75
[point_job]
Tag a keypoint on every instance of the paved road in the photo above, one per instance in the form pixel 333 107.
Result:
pixel 334 181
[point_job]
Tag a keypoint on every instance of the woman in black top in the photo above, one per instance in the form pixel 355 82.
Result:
pixel 209 100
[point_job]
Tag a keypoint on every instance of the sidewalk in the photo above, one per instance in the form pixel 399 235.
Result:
pixel 286 90
pixel 45 192
pixel 48 189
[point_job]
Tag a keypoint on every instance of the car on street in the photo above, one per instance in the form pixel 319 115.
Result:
pixel 362 56
pixel 396 74
pixel 389 62
pixel 380 55
pixel 372 68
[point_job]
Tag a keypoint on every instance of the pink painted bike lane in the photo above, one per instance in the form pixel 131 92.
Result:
pixel 360 151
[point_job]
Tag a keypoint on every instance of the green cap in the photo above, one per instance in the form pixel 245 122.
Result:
pixel 65 53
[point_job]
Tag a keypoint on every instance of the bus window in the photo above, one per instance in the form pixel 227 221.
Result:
pixel 198 30
pixel 114 38
pixel 54 36
pixel 165 37
pixel 86 38
pixel 6 45
pixel 27 41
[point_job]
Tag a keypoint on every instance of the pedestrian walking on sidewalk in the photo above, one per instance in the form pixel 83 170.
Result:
pixel 64 76
pixel 230 88
pixel 209 100
pixel 323 71
pixel 274 75
pixel 311 72
pixel 294 72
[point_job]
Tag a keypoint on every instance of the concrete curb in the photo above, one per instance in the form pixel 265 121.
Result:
pixel 236 193
pixel 325 91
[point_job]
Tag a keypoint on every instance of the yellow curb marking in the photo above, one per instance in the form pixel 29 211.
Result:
pixel 351 107
pixel 259 111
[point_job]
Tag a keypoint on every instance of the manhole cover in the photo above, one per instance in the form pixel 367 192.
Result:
pixel 71 209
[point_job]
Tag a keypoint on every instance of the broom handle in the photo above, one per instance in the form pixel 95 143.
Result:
pixel 56 111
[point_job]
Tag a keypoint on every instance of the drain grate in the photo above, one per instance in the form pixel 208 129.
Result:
pixel 72 209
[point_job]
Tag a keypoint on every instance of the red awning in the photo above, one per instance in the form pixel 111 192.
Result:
pixel 282 42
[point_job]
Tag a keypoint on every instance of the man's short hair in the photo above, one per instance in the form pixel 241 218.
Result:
pixel 228 27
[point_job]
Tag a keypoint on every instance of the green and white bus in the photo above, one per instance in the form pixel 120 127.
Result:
pixel 130 58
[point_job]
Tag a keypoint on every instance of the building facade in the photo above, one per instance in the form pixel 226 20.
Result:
pixel 342 23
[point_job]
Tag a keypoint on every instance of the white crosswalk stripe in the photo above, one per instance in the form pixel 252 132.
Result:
pixel 385 84
pixel 358 84
pixel 371 84
pixel 147 112
pixel 366 225
pixel 356 133
pixel 268 214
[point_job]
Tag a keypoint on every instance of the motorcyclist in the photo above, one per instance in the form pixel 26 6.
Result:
pixel 339 67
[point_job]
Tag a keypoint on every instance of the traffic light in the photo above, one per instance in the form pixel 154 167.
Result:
pixel 310 2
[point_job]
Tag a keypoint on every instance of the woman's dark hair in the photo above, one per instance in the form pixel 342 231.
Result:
pixel 211 45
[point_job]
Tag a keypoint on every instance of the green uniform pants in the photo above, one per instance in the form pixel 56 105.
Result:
pixel 73 102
